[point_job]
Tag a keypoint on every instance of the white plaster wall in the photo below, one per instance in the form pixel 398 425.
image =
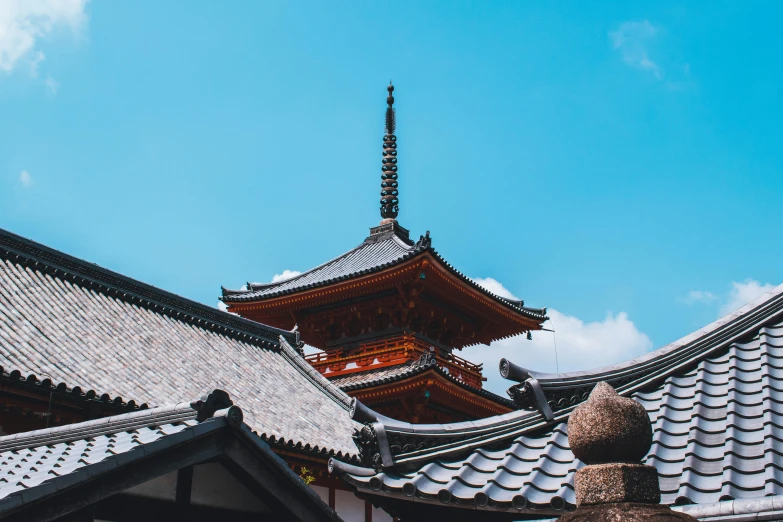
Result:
pixel 349 506
pixel 322 492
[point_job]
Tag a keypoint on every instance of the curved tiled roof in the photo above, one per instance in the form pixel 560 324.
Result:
pixel 39 465
pixel 63 393
pixel 371 378
pixel 75 322
pixel 387 246
pixel 717 421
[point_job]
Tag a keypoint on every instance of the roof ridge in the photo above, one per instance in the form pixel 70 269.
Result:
pixel 420 247
pixel 112 424
pixel 227 291
pixel 737 324
pixel 412 369
pixel 701 333
pixel 517 304
pixel 24 251
pixel 306 369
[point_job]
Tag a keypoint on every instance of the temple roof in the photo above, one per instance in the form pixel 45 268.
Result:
pixel 38 457
pixel 386 246
pixel 39 466
pixel 67 320
pixel 713 398
pixel 388 375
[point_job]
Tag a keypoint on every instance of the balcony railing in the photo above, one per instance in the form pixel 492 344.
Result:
pixel 392 352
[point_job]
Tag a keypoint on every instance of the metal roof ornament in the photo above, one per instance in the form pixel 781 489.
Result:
pixel 424 241
pixel 389 201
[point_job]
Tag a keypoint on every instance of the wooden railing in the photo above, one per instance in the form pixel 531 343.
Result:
pixel 392 352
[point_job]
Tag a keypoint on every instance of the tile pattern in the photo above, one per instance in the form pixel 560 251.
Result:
pixel 718 435
pixel 363 259
pixel 35 458
pixel 96 333
pixel 368 379
pixel 377 252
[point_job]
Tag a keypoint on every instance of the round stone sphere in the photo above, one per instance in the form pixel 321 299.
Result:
pixel 609 428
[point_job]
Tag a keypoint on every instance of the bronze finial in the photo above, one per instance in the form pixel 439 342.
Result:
pixel 389 202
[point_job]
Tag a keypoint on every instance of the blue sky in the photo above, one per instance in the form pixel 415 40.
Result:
pixel 617 162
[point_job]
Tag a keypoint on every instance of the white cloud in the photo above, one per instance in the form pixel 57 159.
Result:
pixel 25 179
pixel 52 84
pixel 35 61
pixel 743 293
pixel 222 306
pixel 23 23
pixel 699 296
pixel 580 345
pixel 738 295
pixel 287 274
pixel 631 40
pixel 496 287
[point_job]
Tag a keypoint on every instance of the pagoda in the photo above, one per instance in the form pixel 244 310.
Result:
pixel 388 316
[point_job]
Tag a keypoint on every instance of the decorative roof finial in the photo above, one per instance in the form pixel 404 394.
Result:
pixel 611 435
pixel 389 201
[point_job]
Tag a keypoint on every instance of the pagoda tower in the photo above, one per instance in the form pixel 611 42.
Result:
pixel 388 316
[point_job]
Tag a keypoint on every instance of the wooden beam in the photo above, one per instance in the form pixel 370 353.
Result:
pixel 184 486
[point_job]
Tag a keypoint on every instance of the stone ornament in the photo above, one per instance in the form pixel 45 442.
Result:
pixel 612 434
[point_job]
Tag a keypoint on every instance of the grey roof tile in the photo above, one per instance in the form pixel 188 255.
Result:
pixel 385 247
pixel 717 435
pixel 74 322
pixel 370 378
pixel 35 464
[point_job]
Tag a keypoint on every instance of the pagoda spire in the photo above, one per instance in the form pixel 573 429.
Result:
pixel 389 201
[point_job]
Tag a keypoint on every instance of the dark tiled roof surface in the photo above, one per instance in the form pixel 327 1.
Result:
pixel 33 458
pixel 52 464
pixel 385 247
pixel 43 386
pixel 718 435
pixel 365 258
pixel 361 380
pixel 73 322
pixel 357 381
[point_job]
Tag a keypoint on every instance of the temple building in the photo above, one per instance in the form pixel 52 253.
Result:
pixel 389 315
pixel 122 401
pixel 714 399
pixel 80 344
